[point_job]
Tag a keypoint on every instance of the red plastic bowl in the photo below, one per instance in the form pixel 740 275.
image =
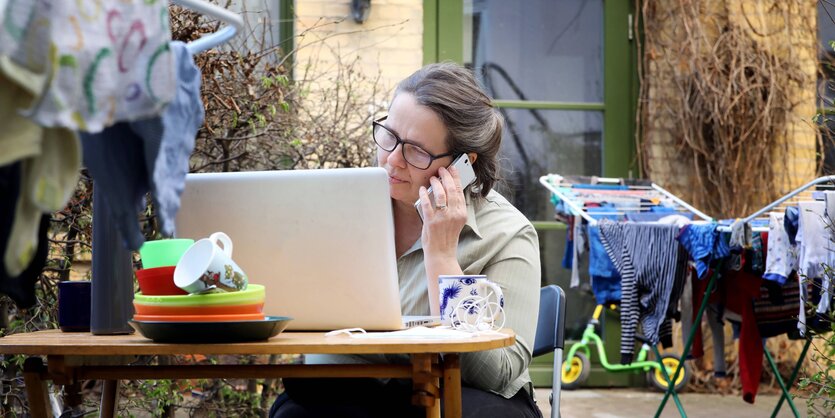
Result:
pixel 158 281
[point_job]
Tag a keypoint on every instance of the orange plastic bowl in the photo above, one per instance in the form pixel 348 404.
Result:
pixel 199 318
pixel 255 308
pixel 158 281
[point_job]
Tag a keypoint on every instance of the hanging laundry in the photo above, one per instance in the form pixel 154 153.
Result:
pixel 50 163
pixel 782 255
pixel 652 266
pixel 812 239
pixel 740 236
pixel 704 245
pixel 791 222
pixel 605 279
pixel 742 288
pixel 813 242
pixel 104 62
pixel 180 122
pixel 128 160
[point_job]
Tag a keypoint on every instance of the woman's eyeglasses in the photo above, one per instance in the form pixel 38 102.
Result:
pixel 412 153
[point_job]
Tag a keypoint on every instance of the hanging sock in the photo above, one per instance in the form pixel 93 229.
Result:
pixel 105 61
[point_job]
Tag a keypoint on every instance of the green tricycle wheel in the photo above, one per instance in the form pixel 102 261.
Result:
pixel 575 372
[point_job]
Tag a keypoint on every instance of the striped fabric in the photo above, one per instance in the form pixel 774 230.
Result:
pixel 651 264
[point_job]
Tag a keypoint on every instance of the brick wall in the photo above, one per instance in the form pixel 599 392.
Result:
pixel 389 44
pixel 766 25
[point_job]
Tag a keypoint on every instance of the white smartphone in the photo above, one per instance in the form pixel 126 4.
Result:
pixel 465 172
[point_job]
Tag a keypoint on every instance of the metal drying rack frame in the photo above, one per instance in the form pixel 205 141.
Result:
pixel 563 189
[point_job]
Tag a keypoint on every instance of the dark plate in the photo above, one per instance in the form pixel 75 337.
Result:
pixel 212 332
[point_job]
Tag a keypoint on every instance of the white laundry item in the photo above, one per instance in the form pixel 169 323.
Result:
pixel 577 252
pixel 812 238
pixel 104 62
pixel 781 258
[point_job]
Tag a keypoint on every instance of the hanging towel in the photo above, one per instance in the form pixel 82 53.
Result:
pixel 104 61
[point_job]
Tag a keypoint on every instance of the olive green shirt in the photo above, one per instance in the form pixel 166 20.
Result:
pixel 497 241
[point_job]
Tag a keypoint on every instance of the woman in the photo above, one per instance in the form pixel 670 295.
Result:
pixel 438 113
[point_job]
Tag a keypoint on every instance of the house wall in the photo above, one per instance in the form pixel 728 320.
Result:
pixel 765 23
pixel 389 44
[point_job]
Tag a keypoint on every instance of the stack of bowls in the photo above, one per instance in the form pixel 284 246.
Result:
pixel 244 305
pixel 160 299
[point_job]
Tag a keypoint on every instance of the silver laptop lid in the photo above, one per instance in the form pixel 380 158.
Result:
pixel 320 241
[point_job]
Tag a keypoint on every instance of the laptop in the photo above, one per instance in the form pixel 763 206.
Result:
pixel 320 241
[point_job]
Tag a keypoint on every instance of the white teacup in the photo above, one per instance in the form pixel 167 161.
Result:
pixel 471 299
pixel 207 265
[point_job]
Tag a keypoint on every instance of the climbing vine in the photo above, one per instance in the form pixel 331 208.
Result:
pixel 719 86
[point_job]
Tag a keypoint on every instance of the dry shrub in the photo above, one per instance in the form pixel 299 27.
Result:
pixel 734 96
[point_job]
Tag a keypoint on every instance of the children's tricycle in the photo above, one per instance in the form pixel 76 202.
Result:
pixel 577 367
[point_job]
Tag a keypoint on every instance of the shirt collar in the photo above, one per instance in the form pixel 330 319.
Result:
pixel 471 222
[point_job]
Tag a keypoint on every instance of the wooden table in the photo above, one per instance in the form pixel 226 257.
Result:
pixel 72 357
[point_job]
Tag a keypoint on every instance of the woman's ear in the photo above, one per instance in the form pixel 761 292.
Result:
pixel 473 156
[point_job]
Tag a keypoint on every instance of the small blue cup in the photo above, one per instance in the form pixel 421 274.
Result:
pixel 74 306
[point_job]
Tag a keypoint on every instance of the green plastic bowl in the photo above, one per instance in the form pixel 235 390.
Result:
pixel 254 293
pixel 164 252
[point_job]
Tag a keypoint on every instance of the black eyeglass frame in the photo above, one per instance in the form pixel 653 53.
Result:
pixel 433 157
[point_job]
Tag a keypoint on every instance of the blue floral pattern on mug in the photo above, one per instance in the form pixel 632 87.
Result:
pixel 448 293
pixel 468 281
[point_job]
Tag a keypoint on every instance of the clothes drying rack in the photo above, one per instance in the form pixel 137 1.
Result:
pixel 571 192
pixel 579 193
pixel 803 193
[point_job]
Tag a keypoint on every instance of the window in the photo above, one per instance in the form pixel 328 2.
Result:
pixel 542 61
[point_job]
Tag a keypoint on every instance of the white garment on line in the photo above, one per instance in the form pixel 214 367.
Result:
pixel 813 240
pixel 781 259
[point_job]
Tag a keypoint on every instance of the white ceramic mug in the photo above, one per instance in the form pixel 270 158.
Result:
pixel 466 298
pixel 207 265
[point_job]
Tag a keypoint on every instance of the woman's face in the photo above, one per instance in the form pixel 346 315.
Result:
pixel 421 126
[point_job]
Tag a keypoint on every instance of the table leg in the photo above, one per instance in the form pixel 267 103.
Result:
pixel 109 398
pixel 425 385
pixel 36 391
pixel 452 386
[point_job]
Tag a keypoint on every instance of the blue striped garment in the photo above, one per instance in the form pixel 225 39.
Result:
pixel 652 267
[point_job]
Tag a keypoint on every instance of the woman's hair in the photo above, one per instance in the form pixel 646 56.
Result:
pixel 453 93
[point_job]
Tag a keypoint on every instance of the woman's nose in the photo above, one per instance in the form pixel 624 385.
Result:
pixel 395 156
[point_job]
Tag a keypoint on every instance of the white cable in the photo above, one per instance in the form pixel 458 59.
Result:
pixel 477 314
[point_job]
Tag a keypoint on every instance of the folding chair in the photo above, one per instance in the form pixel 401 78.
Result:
pixel 550 336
